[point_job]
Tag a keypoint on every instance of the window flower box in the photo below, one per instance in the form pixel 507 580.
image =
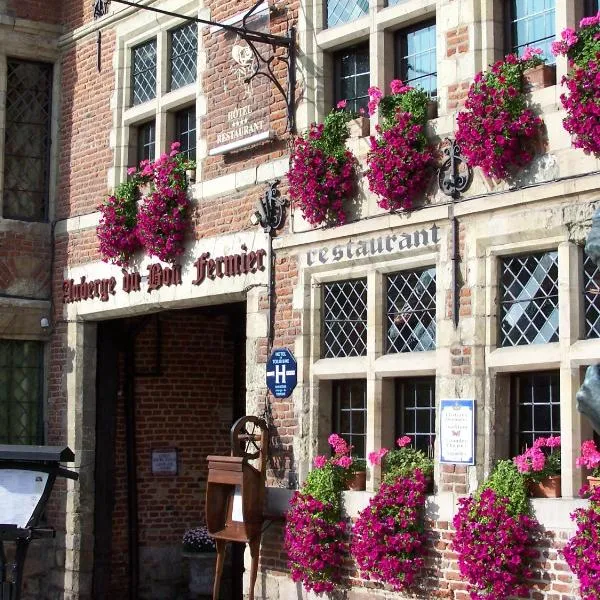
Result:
pixel 539 77
pixel 549 487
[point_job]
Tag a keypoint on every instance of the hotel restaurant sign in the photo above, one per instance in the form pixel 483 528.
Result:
pixel 238 109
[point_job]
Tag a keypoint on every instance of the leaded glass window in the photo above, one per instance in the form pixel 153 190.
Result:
pixel 185 134
pixel 344 11
pixel 146 136
pixel 21 377
pixel 27 140
pixel 352 77
pixel 415 411
pixel 143 72
pixel 184 53
pixel 535 406
pixel 350 413
pixel 416 60
pixel 591 297
pixel 345 318
pixel 411 311
pixel 532 23
pixel 529 299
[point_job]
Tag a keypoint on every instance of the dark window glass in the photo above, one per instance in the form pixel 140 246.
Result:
pixel 21 414
pixel 411 311
pixel 27 140
pixel 415 411
pixel 591 8
pixel 345 318
pixel 143 72
pixel 344 11
pixel 591 297
pixel 185 131
pixel 416 62
pixel 146 135
pixel 184 53
pixel 350 413
pixel 535 407
pixel 529 299
pixel 352 77
pixel 532 23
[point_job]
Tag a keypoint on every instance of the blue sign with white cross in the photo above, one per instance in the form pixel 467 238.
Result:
pixel 282 373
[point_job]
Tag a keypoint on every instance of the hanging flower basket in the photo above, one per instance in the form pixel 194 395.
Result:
pixel 400 161
pixel 497 131
pixel 582 102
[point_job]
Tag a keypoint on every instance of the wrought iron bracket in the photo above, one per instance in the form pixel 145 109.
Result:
pixel 270 208
pixel 264 65
pixel 454 175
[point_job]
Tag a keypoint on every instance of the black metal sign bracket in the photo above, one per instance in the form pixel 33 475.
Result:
pixel 264 65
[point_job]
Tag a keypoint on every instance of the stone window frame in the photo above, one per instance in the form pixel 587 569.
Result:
pixel 569 355
pixel 139 28
pixel 378 369
pixel 21 48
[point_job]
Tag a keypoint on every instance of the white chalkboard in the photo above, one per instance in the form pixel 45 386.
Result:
pixel 20 493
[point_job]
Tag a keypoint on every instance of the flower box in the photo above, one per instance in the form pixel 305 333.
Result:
pixel 432 110
pixel 593 482
pixel 357 482
pixel 539 77
pixel 550 487
pixel 359 127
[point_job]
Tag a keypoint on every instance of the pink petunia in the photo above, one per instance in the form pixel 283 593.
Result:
pixel 341 104
pixel 320 461
pixel 403 441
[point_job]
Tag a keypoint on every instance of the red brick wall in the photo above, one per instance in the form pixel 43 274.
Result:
pixel 36 10
pixel 187 406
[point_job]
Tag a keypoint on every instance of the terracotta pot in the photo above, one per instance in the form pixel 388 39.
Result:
pixel 539 77
pixel 432 110
pixel 358 481
pixel 546 488
pixel 359 127
pixel 593 482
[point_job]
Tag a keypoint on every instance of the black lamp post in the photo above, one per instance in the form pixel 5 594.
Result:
pixel 27 476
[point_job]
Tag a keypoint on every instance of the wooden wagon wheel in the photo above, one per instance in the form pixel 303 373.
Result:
pixel 249 439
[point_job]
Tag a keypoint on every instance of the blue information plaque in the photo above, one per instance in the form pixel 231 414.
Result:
pixel 282 373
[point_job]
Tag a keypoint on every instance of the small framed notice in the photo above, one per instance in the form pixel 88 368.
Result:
pixel 20 493
pixel 457 431
pixel 164 461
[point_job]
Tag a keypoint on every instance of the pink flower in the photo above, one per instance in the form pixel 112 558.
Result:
pixel 375 93
pixel 320 461
pixel 131 170
pixel 343 461
pixel 531 52
pixel 403 441
pixel 375 457
pixel 397 86
pixel 589 21
pixel 341 104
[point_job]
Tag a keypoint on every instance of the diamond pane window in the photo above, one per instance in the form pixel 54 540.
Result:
pixel 411 311
pixel 529 299
pixel 344 11
pixel 416 61
pixel 535 406
pixel 591 297
pixel 532 23
pixel 143 72
pixel 146 136
pixel 184 53
pixel 27 140
pixel 345 318
pixel 21 377
pixel 185 131
pixel 352 77
pixel 350 413
pixel 415 411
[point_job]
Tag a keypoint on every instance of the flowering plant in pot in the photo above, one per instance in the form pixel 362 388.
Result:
pixel 117 230
pixel 315 533
pixel 590 459
pixel 400 159
pixel 403 462
pixel 199 548
pixel 541 466
pixel 388 540
pixel 497 130
pixel 353 470
pixel 583 99
pixel 582 551
pixel 163 217
pixel 323 171
pixel 495 536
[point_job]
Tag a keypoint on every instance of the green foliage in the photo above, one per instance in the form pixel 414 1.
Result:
pixel 334 134
pixel 413 101
pixel 128 193
pixel 551 466
pixel 587 47
pixel 506 481
pixel 402 462
pixel 326 484
pixel 509 75
pixel 358 465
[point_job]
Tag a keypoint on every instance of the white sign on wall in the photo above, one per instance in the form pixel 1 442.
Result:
pixel 20 493
pixel 457 431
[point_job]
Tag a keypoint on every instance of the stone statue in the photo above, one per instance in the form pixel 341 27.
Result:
pixel 588 396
